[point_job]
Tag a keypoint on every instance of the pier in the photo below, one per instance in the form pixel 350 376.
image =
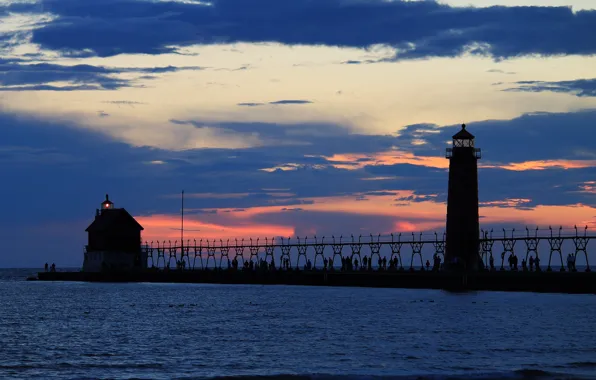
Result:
pixel 555 276
pixel 516 281
pixel 464 257
pixel 545 244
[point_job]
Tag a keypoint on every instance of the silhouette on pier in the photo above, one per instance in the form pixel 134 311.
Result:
pixel 391 247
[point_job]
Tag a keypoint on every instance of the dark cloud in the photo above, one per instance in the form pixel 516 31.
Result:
pixel 419 29
pixel 366 61
pixel 250 104
pixel 291 102
pixel 10 39
pixel 80 76
pixel 541 187
pixel 277 102
pixel 242 68
pixel 537 136
pixel 130 103
pixel 19 76
pixel 44 87
pixel 498 71
pixel 159 70
pixel 203 212
pixel 579 87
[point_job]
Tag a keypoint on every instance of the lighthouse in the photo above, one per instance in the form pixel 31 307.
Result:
pixel 114 241
pixel 463 222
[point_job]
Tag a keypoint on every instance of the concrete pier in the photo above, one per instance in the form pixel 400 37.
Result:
pixel 543 282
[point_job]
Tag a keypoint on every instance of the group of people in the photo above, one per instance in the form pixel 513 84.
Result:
pixel 571 262
pixel 252 265
pixel 349 264
pixel 512 260
pixel 50 268
pixel 531 264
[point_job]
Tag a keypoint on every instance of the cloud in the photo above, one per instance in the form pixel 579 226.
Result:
pixel 159 227
pixel 291 102
pixel 277 102
pixel 37 75
pixel 588 187
pixel 251 104
pixel 530 137
pixel 420 29
pixel 19 76
pixel 578 87
pixel 19 155
pixel 130 103
pixel 42 87
pixel 498 71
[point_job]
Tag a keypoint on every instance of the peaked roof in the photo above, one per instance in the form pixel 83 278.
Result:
pixel 113 218
pixel 463 134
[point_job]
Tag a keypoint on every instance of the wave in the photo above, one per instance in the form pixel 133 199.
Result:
pixel 522 374
pixel 583 364
pixel 62 366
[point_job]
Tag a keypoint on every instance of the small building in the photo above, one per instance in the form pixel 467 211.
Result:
pixel 114 241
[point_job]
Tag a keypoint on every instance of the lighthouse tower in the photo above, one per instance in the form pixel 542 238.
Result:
pixel 463 224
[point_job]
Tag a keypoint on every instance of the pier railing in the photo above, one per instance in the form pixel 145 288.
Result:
pixel 377 250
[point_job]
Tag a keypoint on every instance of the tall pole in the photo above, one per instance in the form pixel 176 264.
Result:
pixel 182 225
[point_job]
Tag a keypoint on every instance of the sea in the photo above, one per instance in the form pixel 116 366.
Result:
pixel 60 330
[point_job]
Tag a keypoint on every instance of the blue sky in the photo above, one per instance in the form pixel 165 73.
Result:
pixel 291 117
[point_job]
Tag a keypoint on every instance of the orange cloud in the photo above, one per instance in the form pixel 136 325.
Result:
pixel 545 164
pixel 588 187
pixel 408 227
pixel 381 178
pixel 291 167
pixel 507 202
pixel 375 205
pixel 423 215
pixel 167 227
pixel 354 161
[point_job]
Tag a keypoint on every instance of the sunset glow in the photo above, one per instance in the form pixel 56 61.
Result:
pixel 407 217
pixel 167 228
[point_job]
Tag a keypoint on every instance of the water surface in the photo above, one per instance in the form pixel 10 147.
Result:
pixel 164 331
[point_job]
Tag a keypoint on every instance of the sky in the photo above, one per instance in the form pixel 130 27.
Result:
pixel 290 118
